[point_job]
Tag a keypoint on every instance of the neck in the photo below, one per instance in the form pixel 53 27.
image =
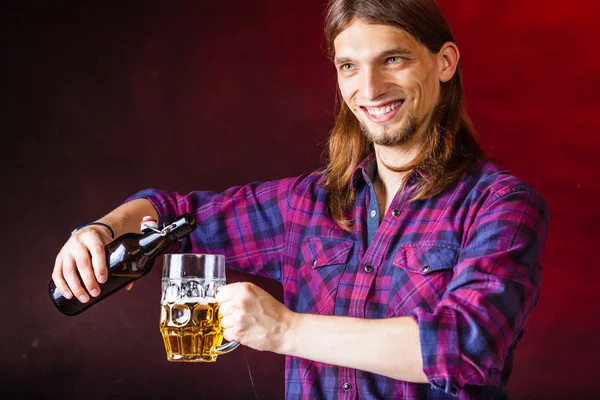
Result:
pixel 391 160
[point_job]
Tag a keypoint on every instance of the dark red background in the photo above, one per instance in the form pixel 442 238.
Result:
pixel 100 100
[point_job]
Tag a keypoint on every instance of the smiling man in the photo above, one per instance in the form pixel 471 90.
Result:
pixel 410 264
pixel 389 80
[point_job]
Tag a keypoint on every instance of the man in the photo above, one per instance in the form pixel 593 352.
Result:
pixel 409 265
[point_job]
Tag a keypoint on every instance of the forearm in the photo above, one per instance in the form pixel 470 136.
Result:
pixel 126 218
pixel 388 347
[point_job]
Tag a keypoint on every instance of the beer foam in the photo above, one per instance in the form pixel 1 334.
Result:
pixel 201 300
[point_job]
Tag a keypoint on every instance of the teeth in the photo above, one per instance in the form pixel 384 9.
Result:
pixel 380 111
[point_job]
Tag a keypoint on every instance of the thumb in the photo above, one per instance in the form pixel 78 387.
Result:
pixel 128 287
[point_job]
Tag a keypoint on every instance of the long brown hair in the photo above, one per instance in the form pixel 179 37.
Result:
pixel 449 147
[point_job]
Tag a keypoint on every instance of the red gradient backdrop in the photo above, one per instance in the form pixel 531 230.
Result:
pixel 100 100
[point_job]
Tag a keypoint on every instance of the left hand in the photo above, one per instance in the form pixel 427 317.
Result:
pixel 253 317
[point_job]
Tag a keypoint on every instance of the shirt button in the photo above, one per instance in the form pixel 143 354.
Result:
pixel 368 268
pixel 396 212
pixel 373 213
pixel 347 387
pixel 426 268
pixel 314 262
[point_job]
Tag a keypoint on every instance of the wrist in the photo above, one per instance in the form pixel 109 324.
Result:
pixel 289 342
pixel 98 226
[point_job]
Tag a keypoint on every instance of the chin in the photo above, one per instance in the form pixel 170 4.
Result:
pixel 391 135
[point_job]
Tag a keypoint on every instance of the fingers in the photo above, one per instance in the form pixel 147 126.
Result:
pixel 83 263
pixel 251 316
pixel 98 253
pixel 232 335
pixel 69 269
pixel 80 266
pixel 228 322
pixel 129 287
pixel 59 280
pixel 230 309
pixel 239 296
pixel 229 292
pixel 226 293
pixel 233 326
pixel 226 309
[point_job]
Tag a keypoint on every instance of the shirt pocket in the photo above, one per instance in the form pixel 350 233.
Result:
pixel 421 276
pixel 323 263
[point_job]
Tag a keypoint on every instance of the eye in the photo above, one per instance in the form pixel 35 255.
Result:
pixel 394 59
pixel 347 67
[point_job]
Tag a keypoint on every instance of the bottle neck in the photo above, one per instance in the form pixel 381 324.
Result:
pixel 152 243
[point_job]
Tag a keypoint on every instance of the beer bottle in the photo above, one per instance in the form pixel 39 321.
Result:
pixel 129 257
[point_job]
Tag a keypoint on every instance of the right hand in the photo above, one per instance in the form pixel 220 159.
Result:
pixel 84 253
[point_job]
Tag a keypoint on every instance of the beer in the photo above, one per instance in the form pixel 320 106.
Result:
pixel 191 329
pixel 190 323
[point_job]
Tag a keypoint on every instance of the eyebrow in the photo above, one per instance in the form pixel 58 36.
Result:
pixel 393 52
pixel 385 54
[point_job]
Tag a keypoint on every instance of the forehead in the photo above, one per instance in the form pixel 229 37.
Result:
pixel 361 39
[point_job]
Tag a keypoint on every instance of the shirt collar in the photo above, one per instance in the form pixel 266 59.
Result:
pixel 366 170
pixel 361 172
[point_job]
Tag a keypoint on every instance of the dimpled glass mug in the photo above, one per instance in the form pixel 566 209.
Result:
pixel 190 323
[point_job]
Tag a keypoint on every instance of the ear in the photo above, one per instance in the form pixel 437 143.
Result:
pixel 448 58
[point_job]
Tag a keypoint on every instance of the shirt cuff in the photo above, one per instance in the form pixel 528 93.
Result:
pixel 439 348
pixel 166 211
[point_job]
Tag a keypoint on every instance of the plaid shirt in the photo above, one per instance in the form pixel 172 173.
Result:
pixel 465 265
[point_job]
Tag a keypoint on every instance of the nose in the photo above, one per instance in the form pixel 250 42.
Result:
pixel 373 84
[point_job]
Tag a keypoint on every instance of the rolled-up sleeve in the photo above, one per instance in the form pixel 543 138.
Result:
pixel 468 336
pixel 247 223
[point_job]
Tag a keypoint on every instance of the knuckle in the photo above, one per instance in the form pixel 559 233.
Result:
pixel 90 232
pixel 72 280
pixel 245 302
pixel 245 288
pixel 238 319
pixel 89 283
pixel 97 248
pixel 67 251
pixel 69 273
pixel 93 235
pixel 76 239
pixel 81 242
pixel 82 261
pixel 240 334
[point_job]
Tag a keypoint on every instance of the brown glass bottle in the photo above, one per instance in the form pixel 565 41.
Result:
pixel 128 258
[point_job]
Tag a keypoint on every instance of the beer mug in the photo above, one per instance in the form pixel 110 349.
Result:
pixel 190 323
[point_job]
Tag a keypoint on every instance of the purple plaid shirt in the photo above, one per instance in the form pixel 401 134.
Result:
pixel 465 265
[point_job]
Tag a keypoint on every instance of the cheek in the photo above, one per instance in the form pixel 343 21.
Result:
pixel 431 94
pixel 433 81
pixel 427 90
pixel 411 82
pixel 346 90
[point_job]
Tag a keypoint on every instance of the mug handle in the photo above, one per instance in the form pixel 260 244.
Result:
pixel 226 348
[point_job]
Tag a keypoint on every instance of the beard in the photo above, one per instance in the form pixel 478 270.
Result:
pixel 393 138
